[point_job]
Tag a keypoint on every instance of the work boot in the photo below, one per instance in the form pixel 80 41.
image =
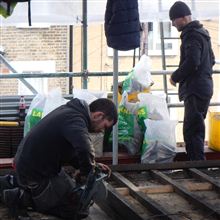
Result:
pixel 13 199
pixel 5 183
pixel 84 213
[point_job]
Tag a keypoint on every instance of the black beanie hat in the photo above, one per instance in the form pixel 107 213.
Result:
pixel 179 10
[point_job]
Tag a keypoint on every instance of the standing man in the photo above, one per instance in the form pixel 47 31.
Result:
pixel 194 76
pixel 60 138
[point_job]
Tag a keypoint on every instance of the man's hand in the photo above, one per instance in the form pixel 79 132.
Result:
pixel 172 82
pixel 104 168
pixel 80 179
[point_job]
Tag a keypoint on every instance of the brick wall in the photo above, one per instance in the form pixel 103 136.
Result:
pixel 52 44
pixel 30 44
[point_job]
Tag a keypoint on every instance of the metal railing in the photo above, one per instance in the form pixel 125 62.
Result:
pixel 9 107
pixel 99 74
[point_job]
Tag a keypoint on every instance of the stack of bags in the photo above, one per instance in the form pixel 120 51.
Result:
pixel 144 125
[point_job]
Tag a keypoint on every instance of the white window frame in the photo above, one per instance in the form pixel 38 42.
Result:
pixel 219 28
pixel 128 53
pixel 33 26
pixel 40 84
pixel 156 40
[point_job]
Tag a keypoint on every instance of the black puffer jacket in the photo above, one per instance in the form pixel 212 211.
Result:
pixel 60 138
pixel 122 26
pixel 194 74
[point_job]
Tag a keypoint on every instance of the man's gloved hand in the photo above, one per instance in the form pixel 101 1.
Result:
pixel 80 179
pixel 104 168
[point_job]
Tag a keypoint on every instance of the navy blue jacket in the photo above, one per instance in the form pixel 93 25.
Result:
pixel 194 74
pixel 122 25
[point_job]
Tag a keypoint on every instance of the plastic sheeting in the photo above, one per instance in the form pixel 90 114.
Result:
pixel 66 12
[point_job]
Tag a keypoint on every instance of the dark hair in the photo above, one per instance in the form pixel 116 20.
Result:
pixel 107 107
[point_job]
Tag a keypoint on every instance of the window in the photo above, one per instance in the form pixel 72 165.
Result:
pixel 154 41
pixel 33 26
pixel 128 53
pixel 40 84
pixel 219 28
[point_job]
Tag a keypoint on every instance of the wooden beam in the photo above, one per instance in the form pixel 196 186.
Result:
pixel 198 174
pixel 124 191
pixel 156 189
pixel 198 186
pixel 146 201
pixel 117 207
pixel 185 193
pixel 166 166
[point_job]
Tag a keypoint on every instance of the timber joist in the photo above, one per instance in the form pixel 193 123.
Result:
pixel 180 190
pixel 177 191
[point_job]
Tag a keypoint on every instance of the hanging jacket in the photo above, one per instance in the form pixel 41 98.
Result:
pixel 122 25
pixel 194 74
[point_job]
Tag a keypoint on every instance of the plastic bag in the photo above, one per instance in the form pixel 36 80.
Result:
pixel 142 71
pixel 159 141
pixel 156 105
pixel 158 152
pixel 87 95
pixel 139 78
pixel 41 105
pixel 35 112
pixel 54 99
pixel 129 132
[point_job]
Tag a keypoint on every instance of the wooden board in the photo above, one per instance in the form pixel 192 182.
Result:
pixel 180 190
pixel 186 193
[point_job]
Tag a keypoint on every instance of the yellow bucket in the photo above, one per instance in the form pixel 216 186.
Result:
pixel 214 131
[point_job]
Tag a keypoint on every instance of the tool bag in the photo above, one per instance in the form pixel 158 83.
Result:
pixel 7 6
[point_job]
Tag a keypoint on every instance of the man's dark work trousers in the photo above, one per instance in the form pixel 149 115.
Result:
pixel 194 126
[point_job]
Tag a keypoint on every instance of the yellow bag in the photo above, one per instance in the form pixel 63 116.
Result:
pixel 132 97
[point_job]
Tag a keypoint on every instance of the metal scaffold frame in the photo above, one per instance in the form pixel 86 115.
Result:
pixel 84 74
